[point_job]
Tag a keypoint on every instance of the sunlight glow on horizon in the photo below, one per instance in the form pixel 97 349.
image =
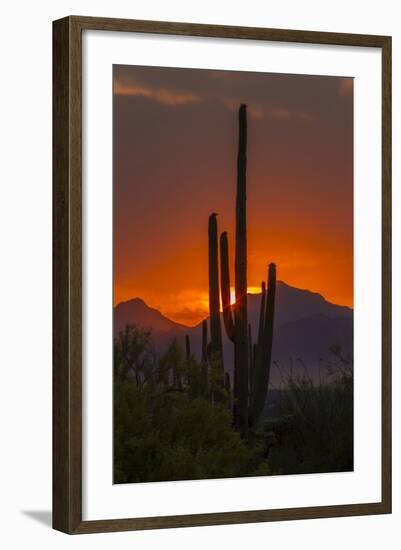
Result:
pixel 251 290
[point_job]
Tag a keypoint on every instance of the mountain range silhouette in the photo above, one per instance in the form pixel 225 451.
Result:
pixel 306 330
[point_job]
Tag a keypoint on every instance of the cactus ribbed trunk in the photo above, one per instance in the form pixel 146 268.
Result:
pixel 241 313
pixel 187 348
pixel 250 345
pixel 251 363
pixel 216 347
pixel 204 341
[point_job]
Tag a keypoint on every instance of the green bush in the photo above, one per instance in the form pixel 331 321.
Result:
pixel 163 429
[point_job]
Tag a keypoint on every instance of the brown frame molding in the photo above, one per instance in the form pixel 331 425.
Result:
pixel 67 275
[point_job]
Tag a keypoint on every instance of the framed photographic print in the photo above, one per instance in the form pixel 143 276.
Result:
pixel 222 271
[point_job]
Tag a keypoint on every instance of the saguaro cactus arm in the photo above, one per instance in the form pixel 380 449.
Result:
pixel 269 319
pixel 225 286
pixel 262 313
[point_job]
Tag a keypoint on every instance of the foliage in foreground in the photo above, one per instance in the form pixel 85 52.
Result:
pixel 164 428
pixel 170 423
pixel 314 433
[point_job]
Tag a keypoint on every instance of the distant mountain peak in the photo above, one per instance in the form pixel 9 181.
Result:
pixel 135 300
pixel 138 312
pixel 290 288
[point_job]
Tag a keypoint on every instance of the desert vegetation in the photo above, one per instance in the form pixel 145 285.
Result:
pixel 170 423
pixel 173 418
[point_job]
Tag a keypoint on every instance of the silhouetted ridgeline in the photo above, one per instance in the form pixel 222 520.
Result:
pixel 306 327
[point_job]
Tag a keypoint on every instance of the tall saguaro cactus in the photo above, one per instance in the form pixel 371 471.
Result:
pixel 251 361
pixel 241 285
pixel 237 326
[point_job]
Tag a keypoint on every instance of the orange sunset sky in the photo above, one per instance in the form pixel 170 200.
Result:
pixel 175 147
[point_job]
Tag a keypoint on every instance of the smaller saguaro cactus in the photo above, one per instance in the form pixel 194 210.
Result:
pixel 259 343
pixel 263 352
pixel 216 344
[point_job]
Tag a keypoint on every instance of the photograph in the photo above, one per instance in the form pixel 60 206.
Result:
pixel 233 274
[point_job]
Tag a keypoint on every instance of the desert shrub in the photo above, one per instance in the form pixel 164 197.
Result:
pixel 313 428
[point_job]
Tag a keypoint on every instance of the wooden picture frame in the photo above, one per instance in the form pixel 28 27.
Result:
pixel 67 274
